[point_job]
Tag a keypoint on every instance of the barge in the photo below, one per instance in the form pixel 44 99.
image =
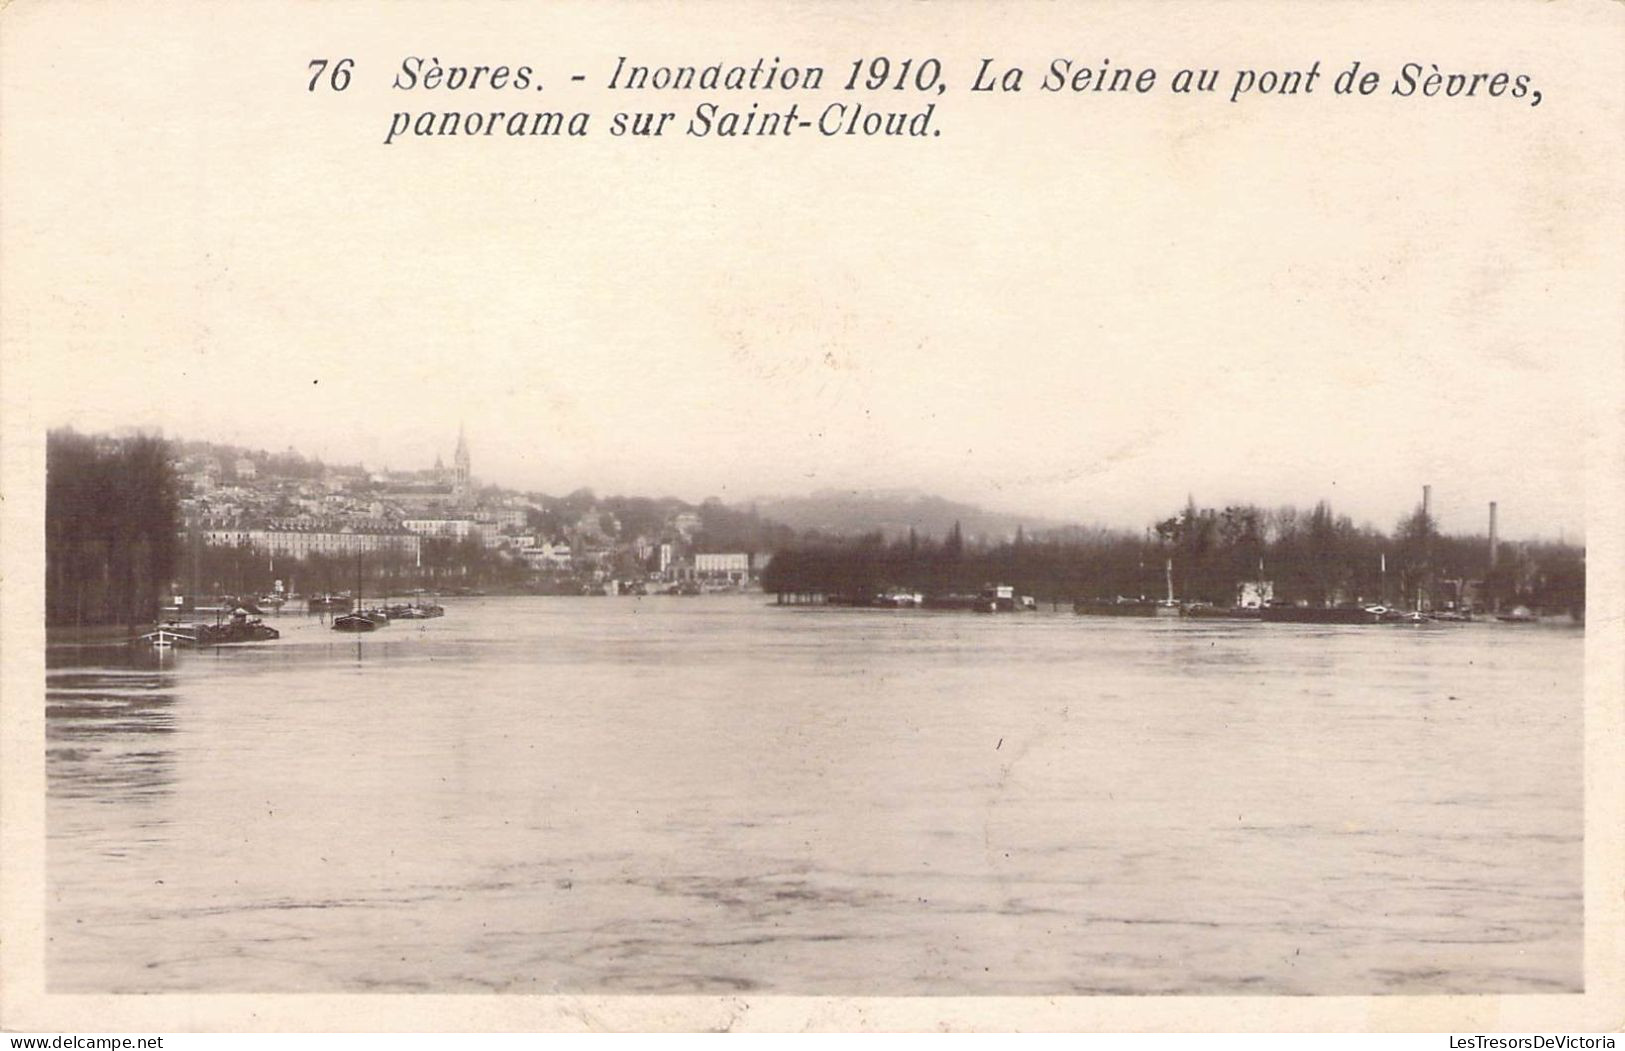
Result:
pixel 1324 614
pixel 1123 607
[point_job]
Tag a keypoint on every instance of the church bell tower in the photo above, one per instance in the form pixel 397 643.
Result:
pixel 462 472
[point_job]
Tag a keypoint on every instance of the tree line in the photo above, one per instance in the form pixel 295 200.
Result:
pixel 442 563
pixel 111 525
pixel 1315 556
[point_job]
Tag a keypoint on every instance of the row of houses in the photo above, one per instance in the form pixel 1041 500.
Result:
pixel 289 540
pixel 354 535
pixel 300 538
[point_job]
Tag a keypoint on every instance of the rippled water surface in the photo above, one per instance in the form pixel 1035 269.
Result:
pixel 715 795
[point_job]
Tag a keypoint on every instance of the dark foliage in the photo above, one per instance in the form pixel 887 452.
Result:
pixel 111 518
pixel 1315 556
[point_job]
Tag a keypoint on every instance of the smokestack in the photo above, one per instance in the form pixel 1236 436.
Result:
pixel 1495 538
pixel 1427 501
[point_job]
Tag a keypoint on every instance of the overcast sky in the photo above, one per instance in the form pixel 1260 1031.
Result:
pixel 1057 307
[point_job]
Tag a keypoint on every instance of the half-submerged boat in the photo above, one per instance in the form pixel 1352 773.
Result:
pixel 240 628
pixel 361 619
pixel 355 622
pixel 1208 611
pixel 415 611
pixel 1125 607
pixel 1324 614
pixel 1134 607
pixel 1002 598
pixel 169 636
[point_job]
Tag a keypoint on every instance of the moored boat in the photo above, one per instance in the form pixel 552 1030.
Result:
pixel 1125 607
pixel 329 603
pixel 1134 607
pixel 414 611
pixel 1002 598
pixel 168 636
pixel 1323 614
pixel 240 628
pixel 1206 611
pixel 360 619
pixel 950 602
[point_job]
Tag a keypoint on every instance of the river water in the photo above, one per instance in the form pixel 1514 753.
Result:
pixel 714 795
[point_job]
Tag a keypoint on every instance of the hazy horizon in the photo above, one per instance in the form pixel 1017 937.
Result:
pixel 1453 512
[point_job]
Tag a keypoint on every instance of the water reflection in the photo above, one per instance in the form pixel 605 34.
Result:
pixel 546 795
pixel 109 712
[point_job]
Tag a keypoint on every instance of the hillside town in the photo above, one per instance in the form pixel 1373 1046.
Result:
pixel 252 520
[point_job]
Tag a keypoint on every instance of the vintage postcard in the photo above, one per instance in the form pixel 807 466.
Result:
pixel 812 516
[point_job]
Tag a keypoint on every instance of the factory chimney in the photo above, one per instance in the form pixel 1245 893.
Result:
pixel 1427 502
pixel 1495 538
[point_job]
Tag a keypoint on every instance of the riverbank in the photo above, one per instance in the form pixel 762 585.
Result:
pixel 93 635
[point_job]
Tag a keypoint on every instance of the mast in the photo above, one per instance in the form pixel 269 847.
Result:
pixel 196 544
pixel 1139 578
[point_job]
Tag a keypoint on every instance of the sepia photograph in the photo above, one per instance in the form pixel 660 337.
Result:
pixel 886 505
pixel 320 726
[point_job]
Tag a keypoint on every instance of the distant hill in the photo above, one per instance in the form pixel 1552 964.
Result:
pixel 894 512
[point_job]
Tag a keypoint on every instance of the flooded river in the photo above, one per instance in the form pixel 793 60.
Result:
pixel 714 795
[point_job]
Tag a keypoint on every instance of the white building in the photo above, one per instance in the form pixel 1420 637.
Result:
pixel 341 542
pixel 734 566
pixel 226 536
pixel 547 556
pixel 503 518
pixel 293 540
pixel 1254 594
pixel 443 528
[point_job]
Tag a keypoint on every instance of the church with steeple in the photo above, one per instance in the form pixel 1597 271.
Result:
pixel 462 476
pixel 440 489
